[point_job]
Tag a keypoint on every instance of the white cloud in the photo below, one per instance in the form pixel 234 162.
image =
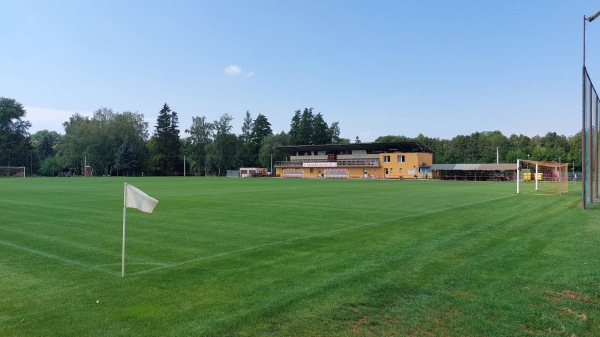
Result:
pixel 233 70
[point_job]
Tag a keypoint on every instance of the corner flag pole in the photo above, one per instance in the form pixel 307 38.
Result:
pixel 137 199
pixel 124 220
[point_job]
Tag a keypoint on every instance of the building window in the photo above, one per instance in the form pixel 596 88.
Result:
pixel 401 158
pixel 386 159
pixel 312 170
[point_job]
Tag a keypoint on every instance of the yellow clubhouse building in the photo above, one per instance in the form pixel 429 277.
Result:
pixel 390 160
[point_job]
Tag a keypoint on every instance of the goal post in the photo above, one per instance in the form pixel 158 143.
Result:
pixel 538 177
pixel 12 171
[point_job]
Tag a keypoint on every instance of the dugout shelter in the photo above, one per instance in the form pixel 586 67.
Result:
pixel 252 172
pixel 389 160
pixel 476 172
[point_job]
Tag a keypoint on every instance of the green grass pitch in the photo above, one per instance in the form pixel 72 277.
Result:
pixel 277 257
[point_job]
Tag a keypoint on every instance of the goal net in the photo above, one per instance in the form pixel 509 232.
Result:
pixel 537 177
pixel 12 172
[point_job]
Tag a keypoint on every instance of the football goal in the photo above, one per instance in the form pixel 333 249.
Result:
pixel 546 178
pixel 12 171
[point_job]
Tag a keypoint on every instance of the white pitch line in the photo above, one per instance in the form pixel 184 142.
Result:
pixel 311 235
pixel 55 257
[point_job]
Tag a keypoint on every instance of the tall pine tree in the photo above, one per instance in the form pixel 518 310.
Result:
pixel 321 134
pixel 166 155
pixel 126 158
pixel 260 130
pixel 305 135
pixel 294 133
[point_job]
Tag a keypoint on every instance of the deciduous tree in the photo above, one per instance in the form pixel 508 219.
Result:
pixel 201 133
pixel 224 152
pixel 14 132
pixel 94 141
pixel 268 151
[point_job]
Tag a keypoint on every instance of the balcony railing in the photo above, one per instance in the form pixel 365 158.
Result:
pixel 340 163
pixel 358 162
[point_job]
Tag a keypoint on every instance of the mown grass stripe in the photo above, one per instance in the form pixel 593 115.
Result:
pixel 225 257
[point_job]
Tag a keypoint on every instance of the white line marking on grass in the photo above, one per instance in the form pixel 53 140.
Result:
pixel 56 257
pixel 70 243
pixel 136 264
pixel 75 244
pixel 312 235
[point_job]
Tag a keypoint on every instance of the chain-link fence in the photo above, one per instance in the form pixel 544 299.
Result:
pixel 590 174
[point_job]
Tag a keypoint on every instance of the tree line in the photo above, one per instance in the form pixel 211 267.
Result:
pixel 493 146
pixel 120 143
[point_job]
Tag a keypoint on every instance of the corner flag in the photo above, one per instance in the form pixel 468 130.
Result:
pixel 136 198
pixel 133 197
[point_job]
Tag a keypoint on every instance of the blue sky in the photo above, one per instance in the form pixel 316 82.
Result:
pixel 440 68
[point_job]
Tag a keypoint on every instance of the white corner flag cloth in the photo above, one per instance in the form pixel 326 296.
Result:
pixel 136 198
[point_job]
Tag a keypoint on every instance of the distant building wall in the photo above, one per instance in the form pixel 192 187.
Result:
pixel 388 165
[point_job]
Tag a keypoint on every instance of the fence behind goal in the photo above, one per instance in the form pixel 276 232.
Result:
pixel 589 139
pixel 534 177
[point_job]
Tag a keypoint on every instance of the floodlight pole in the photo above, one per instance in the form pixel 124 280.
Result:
pixel 584 22
pixel 588 19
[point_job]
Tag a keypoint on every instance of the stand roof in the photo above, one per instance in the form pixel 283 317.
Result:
pixel 369 147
